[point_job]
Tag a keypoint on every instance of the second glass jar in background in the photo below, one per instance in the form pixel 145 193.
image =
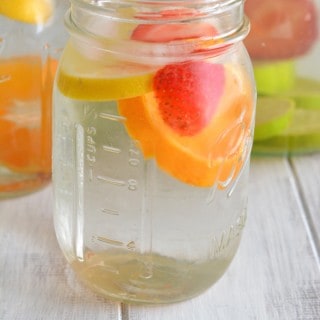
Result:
pixel 285 48
pixel 153 114
pixel 32 36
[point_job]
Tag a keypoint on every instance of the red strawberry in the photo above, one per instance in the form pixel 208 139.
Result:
pixel 188 94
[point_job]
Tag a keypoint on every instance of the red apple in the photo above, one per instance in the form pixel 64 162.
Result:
pixel 280 29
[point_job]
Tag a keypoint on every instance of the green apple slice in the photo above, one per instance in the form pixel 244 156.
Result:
pixel 273 116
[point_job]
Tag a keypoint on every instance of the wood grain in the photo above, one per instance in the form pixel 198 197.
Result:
pixel 35 280
pixel 307 171
pixel 275 274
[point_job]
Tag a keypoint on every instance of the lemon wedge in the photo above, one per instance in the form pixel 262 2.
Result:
pixel 29 11
pixel 101 78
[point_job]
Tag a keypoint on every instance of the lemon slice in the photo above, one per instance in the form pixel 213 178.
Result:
pixel 29 11
pixel 273 116
pixel 275 77
pixel 101 78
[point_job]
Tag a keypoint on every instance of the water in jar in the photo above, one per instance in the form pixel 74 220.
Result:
pixel 149 208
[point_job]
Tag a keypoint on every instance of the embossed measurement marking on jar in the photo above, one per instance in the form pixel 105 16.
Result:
pixel 110 149
pixel 111 117
pixel 115 182
pixel 131 183
pixel 130 245
pixel 110 211
pixel 90 113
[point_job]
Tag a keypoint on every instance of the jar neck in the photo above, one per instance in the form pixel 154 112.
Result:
pixel 110 23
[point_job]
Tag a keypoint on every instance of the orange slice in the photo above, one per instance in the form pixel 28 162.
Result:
pixel 25 113
pixel 214 155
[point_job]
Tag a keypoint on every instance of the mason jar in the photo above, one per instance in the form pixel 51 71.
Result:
pixel 285 48
pixel 154 106
pixel 32 35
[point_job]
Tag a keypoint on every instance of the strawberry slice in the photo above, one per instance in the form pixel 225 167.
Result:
pixel 280 29
pixel 173 31
pixel 188 94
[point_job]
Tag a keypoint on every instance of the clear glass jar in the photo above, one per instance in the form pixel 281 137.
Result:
pixel 32 36
pixel 285 48
pixel 153 113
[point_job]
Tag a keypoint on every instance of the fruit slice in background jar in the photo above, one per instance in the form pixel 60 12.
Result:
pixel 280 29
pixel 25 113
pixel 29 11
pixel 276 77
pixel 279 79
pixel 201 147
pixel 302 135
pixel 305 92
pixel 273 116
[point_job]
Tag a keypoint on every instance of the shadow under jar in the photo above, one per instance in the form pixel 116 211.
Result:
pixel 153 114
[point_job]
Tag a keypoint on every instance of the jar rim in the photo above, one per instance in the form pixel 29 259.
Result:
pixel 207 8
pixel 86 20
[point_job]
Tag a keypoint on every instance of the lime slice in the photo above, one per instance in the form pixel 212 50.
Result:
pixel 273 116
pixel 29 11
pixel 301 136
pixel 305 92
pixel 304 122
pixel 288 145
pixel 275 77
pixel 101 78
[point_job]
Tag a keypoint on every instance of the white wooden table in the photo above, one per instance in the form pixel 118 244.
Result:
pixel 275 275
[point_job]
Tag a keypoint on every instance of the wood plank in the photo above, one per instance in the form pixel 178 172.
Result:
pixel 275 273
pixel 35 280
pixel 307 170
